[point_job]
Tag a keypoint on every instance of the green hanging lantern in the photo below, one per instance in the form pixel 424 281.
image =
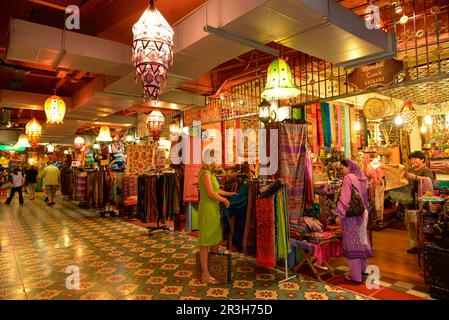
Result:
pixel 280 83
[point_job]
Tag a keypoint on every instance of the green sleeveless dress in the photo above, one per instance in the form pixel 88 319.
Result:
pixel 209 219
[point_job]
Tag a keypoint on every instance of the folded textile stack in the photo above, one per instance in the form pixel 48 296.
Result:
pixel 439 164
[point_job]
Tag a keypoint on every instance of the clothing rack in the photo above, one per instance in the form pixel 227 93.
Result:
pixel 287 276
pixel 164 228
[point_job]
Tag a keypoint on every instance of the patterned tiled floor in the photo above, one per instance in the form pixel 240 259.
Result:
pixel 118 260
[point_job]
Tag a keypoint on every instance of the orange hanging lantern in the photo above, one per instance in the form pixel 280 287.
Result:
pixel 155 122
pixel 33 130
pixel 55 109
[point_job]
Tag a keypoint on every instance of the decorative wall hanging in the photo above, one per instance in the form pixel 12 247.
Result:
pixel 280 83
pixel 152 50
pixel 55 109
pixel 33 130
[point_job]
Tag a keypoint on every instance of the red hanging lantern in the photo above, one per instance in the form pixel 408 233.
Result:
pixel 155 123
pixel 152 50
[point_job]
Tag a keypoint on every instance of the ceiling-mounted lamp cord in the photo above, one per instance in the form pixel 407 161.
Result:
pixel 205 2
pixel 152 4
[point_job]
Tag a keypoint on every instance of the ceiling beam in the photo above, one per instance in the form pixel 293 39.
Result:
pixel 48 4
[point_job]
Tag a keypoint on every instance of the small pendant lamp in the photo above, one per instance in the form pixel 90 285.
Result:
pixel 33 130
pixel 280 83
pixel 104 135
pixel 22 142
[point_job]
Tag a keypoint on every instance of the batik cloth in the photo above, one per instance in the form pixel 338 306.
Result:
pixel 265 233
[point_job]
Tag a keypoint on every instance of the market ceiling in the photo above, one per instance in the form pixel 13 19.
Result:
pixel 113 20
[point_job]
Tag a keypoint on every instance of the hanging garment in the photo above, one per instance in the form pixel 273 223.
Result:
pixel 282 226
pixel 309 178
pixel 191 183
pixel 320 126
pixel 395 176
pixel 347 133
pixel 339 127
pixel 265 233
pixel 314 120
pixel 425 185
pixel 293 164
pixel 238 210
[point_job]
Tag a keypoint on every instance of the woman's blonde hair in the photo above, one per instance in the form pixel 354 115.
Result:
pixel 209 157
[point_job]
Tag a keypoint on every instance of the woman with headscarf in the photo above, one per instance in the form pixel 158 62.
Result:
pixel 356 245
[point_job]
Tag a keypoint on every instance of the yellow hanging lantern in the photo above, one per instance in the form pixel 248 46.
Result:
pixel 55 109
pixel 33 130
pixel 22 142
pixel 280 83
pixel 104 135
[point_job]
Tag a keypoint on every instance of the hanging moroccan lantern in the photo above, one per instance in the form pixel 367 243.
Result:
pixel 408 116
pixel 79 140
pixel 155 122
pixel 104 135
pixel 152 50
pixel 22 142
pixel 33 130
pixel 280 83
pixel 55 109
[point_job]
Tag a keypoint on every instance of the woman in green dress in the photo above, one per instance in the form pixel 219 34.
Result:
pixel 209 219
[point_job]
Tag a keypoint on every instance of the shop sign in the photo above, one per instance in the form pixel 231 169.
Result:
pixel 377 74
pixel 75 164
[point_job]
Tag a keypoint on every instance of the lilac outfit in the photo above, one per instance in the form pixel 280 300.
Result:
pixel 356 245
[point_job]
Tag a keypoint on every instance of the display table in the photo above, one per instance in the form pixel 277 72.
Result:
pixel 436 260
pixel 425 221
pixel 318 253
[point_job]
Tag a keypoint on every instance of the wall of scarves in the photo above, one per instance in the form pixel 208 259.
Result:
pixel 159 197
pixel 332 124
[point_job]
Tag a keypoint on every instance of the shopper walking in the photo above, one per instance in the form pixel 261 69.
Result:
pixel 209 218
pixel 51 180
pixel 31 181
pixel 356 245
pixel 17 183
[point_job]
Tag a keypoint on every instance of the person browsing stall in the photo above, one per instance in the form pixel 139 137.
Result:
pixel 209 218
pixel 416 173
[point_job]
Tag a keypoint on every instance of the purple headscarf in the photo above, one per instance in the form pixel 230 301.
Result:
pixel 354 169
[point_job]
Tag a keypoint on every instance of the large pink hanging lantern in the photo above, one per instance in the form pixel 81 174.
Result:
pixel 152 50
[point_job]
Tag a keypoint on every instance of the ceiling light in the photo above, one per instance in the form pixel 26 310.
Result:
pixel 399 121
pixel 428 120
pixel 104 135
pixel 404 19
pixel 79 140
pixel 50 148
pixel 152 50
pixel 280 83
pixel 423 129
pixel 357 126
pixel 22 142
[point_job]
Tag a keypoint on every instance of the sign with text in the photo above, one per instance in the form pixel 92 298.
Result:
pixel 378 74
